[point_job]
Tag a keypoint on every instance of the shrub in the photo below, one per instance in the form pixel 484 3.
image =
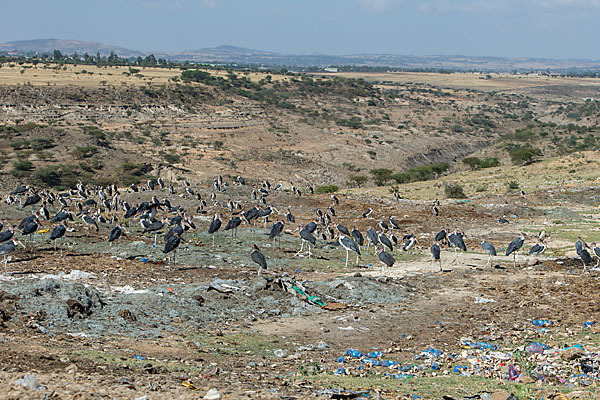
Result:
pixel 22 168
pixel 357 180
pixel 524 155
pixel 326 189
pixel 454 190
pixel 381 175
pixel 513 185
pixel 172 158
pixel 38 144
pixel 477 163
pixel 48 176
pixel 84 151
pixel 20 144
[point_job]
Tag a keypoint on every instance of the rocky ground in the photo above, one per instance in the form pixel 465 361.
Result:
pixel 116 322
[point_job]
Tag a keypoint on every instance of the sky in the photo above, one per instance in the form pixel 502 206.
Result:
pixel 560 29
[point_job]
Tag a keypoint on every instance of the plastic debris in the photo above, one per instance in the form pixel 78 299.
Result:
pixel 354 353
pixel 212 394
pixel 541 322
pixel 29 382
pixel 280 353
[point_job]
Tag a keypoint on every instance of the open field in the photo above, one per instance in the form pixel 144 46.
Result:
pixel 115 321
pixel 473 81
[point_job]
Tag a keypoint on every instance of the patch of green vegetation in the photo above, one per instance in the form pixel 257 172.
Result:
pixel 454 190
pixel 112 359
pixel 22 168
pixel 326 189
pixel 478 163
pixel 238 344
pixel 134 172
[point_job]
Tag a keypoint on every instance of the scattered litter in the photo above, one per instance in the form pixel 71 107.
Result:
pixel 280 353
pixel 212 394
pixel 30 382
pixel 482 300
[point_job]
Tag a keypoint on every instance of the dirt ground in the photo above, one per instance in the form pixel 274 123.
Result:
pixel 115 322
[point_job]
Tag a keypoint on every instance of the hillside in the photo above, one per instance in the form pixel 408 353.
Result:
pixel 100 124
pixel 47 46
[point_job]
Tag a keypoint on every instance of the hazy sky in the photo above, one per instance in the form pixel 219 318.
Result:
pixel 530 28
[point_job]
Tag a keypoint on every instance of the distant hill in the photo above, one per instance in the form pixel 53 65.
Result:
pixel 240 55
pixel 67 47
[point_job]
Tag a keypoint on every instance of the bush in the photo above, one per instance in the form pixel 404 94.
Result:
pixel 477 163
pixel 48 176
pixel 357 180
pixel 524 155
pixel 381 175
pixel 84 151
pixel 22 168
pixel 20 144
pixel 513 185
pixel 42 143
pixel 172 158
pixel 454 191
pixel 326 189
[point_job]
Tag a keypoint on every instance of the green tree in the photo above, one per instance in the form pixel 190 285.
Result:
pixel 381 175
pixel 524 155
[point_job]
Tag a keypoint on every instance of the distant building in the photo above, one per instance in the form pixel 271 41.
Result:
pixel 330 69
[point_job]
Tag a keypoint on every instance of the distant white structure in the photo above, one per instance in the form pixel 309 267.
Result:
pixel 329 69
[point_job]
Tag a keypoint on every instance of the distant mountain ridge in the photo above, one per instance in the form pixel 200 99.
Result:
pixel 67 47
pixel 228 54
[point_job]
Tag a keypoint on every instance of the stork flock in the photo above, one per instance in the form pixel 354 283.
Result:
pixel 99 206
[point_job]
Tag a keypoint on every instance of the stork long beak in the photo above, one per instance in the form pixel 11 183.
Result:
pixel 21 243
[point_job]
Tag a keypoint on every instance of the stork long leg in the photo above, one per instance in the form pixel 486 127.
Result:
pixel 347 254
pixel 515 260
pixel 155 239
pixel 309 254
pixel 357 259
pixel 441 269
pixel 5 264
pixel 301 248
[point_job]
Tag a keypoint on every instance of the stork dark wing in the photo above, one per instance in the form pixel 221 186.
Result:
pixel 372 236
pixel 585 257
pixel 514 246
pixel 387 259
pixel 536 249
pixel 343 230
pixel 115 233
pixel 214 225
pixel 259 259
pixel 276 229
pixel 57 232
pixel 358 237
pixel 435 252
pixel 171 243
pixel 349 244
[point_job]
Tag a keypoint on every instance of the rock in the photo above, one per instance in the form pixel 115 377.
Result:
pixel 500 395
pixel 526 379
pixel 29 382
pixel 127 315
pixel 280 353
pixel 212 394
pixel 571 354
pixel 322 345
pixel 71 369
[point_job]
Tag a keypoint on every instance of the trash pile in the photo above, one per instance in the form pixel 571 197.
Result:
pixel 547 363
